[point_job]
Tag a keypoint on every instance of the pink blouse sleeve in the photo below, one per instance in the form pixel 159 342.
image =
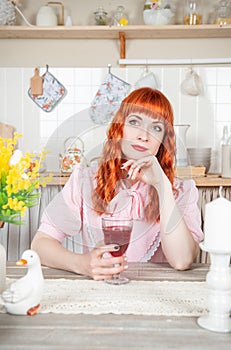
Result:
pixel 63 215
pixel 187 201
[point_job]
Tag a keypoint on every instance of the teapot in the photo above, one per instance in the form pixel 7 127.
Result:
pixel 46 16
pixel 73 155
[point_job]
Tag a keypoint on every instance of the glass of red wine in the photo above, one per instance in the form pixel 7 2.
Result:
pixel 117 231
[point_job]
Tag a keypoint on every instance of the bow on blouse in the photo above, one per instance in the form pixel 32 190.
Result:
pixel 128 202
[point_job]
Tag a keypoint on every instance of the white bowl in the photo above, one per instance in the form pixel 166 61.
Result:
pixel 195 150
pixel 158 17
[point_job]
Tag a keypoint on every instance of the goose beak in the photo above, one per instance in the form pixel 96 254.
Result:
pixel 21 262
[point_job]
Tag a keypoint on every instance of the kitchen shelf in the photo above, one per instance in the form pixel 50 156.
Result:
pixel 121 34
pixel 106 32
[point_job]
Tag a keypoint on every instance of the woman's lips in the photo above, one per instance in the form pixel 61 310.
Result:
pixel 139 148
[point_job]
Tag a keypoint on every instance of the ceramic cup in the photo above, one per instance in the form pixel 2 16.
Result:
pixel 192 85
pixel 147 80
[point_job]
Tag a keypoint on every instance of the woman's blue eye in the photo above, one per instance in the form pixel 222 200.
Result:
pixel 157 128
pixel 133 122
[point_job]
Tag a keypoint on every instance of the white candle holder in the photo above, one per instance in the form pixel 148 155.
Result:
pixel 219 301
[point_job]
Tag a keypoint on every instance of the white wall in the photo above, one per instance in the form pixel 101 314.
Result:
pixel 207 113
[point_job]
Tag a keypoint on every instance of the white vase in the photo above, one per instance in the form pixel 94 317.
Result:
pixel 2 268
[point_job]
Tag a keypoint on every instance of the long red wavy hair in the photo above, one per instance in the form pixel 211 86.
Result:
pixel 155 105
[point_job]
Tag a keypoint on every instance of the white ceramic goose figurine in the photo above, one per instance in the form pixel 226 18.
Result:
pixel 23 296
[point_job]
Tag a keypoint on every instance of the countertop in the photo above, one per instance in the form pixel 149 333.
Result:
pixel 210 180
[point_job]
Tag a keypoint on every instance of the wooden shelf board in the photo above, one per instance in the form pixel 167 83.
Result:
pixel 106 32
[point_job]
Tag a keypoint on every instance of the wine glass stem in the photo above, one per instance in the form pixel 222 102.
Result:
pixel 117 275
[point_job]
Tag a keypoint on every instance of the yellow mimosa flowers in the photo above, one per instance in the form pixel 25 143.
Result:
pixel 19 180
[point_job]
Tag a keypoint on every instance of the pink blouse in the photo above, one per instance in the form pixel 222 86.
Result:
pixel 71 212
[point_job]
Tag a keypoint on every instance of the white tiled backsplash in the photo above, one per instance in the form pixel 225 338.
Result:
pixel 206 113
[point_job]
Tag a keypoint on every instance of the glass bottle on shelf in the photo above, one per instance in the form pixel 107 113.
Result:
pixel 120 17
pixel 193 14
pixel 101 17
pixel 223 16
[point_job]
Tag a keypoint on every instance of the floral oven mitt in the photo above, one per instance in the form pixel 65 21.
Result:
pixel 53 93
pixel 108 98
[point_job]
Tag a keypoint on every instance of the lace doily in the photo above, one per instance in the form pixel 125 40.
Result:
pixel 137 297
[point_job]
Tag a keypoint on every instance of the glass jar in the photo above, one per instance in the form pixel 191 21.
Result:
pixel 101 17
pixel 223 16
pixel 193 13
pixel 120 18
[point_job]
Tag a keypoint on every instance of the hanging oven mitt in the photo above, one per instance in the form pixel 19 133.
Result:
pixel 108 98
pixel 52 92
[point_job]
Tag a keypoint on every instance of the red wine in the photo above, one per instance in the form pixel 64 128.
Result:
pixel 117 235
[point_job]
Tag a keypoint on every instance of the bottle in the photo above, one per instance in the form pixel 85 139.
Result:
pixel 223 141
pixel 226 159
pixel 193 13
pixel 225 135
pixel 68 22
pixel 120 17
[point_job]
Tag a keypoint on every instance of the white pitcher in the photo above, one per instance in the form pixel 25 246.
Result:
pixel 46 17
pixel 181 146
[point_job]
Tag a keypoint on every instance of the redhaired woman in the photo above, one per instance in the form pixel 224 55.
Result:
pixel 135 177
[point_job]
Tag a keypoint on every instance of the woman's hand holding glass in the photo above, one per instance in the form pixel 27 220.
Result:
pixel 100 265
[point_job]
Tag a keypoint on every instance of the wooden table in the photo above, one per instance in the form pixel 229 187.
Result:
pixel 58 331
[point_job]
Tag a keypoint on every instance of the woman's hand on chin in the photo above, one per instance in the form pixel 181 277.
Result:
pixel 147 170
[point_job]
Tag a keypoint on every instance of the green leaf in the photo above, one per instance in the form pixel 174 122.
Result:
pixel 13 219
